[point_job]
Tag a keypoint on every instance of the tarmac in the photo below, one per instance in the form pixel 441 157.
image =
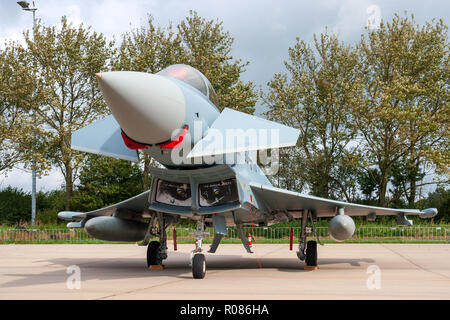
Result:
pixel 117 271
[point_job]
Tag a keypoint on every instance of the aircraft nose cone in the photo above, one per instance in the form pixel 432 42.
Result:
pixel 148 107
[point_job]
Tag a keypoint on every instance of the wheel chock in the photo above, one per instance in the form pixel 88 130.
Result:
pixel 156 267
pixel 311 268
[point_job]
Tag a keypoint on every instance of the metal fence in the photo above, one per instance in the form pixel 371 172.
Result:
pixel 260 234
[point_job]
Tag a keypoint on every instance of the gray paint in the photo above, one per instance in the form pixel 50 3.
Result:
pixel 279 199
pixel 148 107
pixel 103 137
pixel 235 121
pixel 219 224
pixel 341 227
pixel 115 229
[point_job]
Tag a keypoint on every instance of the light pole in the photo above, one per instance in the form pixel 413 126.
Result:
pixel 26 6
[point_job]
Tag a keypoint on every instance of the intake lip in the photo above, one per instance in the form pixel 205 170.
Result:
pixel 169 144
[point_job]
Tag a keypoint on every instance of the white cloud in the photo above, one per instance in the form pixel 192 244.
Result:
pixel 11 34
pixel 73 13
pixel 21 179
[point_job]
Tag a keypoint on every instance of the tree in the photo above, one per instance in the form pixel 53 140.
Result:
pixel 404 114
pixel 16 128
pixel 314 96
pixel 63 61
pixel 105 181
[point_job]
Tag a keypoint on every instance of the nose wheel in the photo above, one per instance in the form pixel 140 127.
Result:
pixel 198 261
pixel 199 266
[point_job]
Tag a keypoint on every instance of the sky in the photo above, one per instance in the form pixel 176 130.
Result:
pixel 263 30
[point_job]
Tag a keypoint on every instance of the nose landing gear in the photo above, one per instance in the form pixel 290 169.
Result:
pixel 198 260
pixel 199 266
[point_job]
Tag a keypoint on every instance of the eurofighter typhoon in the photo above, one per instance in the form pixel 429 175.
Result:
pixel 208 168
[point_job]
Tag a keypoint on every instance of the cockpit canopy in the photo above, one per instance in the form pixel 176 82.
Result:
pixel 192 77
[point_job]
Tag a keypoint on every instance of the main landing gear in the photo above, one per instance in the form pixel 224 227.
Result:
pixel 308 250
pixel 156 250
pixel 154 254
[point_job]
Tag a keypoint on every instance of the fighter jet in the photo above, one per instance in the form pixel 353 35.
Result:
pixel 208 169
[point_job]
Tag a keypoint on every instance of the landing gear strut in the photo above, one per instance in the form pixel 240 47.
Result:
pixel 308 250
pixel 157 250
pixel 198 261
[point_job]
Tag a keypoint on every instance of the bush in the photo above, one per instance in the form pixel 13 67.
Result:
pixel 48 216
pixel 439 199
pixel 15 206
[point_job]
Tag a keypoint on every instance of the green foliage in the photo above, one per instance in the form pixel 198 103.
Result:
pixel 15 206
pixel 48 204
pixel 403 113
pixel 105 181
pixel 313 96
pixel 58 66
pixel 439 199
pixel 16 88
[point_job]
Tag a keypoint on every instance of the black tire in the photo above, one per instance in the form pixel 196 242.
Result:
pixel 311 253
pixel 153 254
pixel 199 266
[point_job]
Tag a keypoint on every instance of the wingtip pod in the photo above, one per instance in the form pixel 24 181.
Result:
pixel 68 215
pixel 428 213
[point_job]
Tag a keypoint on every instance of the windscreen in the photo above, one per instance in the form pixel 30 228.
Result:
pixel 186 74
